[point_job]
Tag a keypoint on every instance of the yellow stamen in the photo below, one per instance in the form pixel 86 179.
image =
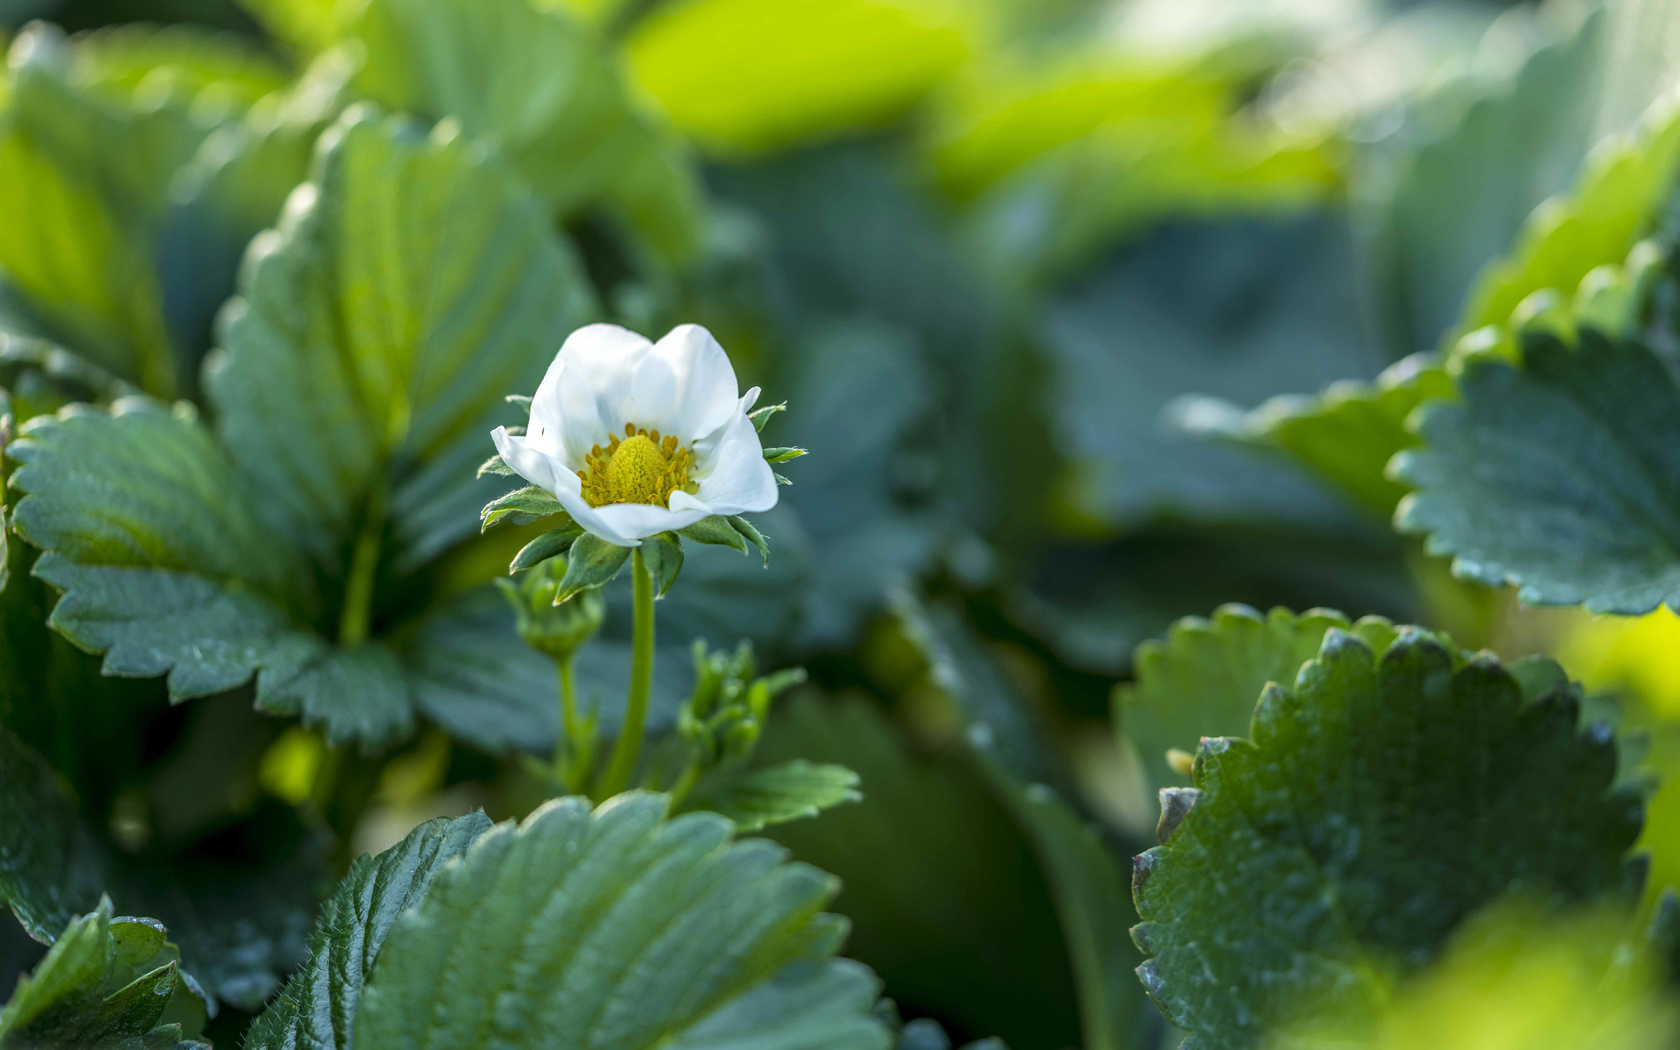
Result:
pixel 642 467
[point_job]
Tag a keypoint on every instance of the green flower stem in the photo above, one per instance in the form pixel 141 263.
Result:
pixel 685 782
pixel 617 776
pixel 575 750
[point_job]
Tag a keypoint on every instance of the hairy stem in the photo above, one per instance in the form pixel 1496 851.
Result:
pixel 617 776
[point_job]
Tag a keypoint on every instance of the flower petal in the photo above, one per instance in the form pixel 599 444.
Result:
pixel 527 460
pixel 737 480
pixel 580 398
pixel 591 519
pixel 689 380
pixel 640 520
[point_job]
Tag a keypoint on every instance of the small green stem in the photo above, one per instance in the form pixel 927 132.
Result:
pixel 623 764
pixel 355 618
pixel 685 782
pixel 575 750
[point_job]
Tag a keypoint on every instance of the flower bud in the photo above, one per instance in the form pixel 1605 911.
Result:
pixel 557 630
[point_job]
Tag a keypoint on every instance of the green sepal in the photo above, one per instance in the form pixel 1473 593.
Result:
pixel 545 547
pixel 716 530
pixel 781 480
pixel 781 454
pixel 521 507
pixel 591 562
pixel 762 416
pixel 663 555
pixel 495 465
pixel 522 400
pixel 756 538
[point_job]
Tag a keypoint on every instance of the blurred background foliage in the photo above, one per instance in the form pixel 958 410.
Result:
pixel 1095 314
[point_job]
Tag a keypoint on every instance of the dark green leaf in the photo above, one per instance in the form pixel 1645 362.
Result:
pixel 776 794
pixel 50 866
pixel 1203 679
pixel 715 530
pixel 546 91
pixel 753 536
pixel 318 1006
pixel 106 984
pixel 1292 880
pixel 520 507
pixel 544 547
pixel 1562 476
pixel 946 896
pixel 663 555
pixel 591 562
pixel 745 956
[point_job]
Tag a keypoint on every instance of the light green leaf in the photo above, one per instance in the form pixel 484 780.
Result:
pixel 748 76
pixel 520 507
pixel 1203 679
pixel 1347 434
pixel 591 562
pixel 1460 199
pixel 1291 881
pixel 1561 476
pixel 776 794
pixel 380 324
pixel 306 24
pixel 745 955
pixel 318 1006
pixel 1617 200
pixel 536 80
pixel 106 984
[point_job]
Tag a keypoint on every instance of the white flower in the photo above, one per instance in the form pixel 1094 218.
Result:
pixel 636 438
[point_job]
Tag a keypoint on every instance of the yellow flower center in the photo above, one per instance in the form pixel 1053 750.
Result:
pixel 641 467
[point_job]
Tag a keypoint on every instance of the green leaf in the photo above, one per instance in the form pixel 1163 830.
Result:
pixel 663 555
pixel 544 547
pixel 716 530
pixel 749 76
pixel 761 416
pixel 777 794
pixel 1616 201
pixel 1347 434
pixel 414 281
pixel 753 536
pixel 745 955
pixel 1561 477
pixel 933 868
pixel 50 866
pixel 1291 879
pixel 106 984
pixel 1460 199
pixel 591 562
pixel 496 467
pixel 541 85
pixel 520 507
pixel 379 326
pixel 318 1006
pixel 307 24
pixel 1203 679
pixel 782 455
